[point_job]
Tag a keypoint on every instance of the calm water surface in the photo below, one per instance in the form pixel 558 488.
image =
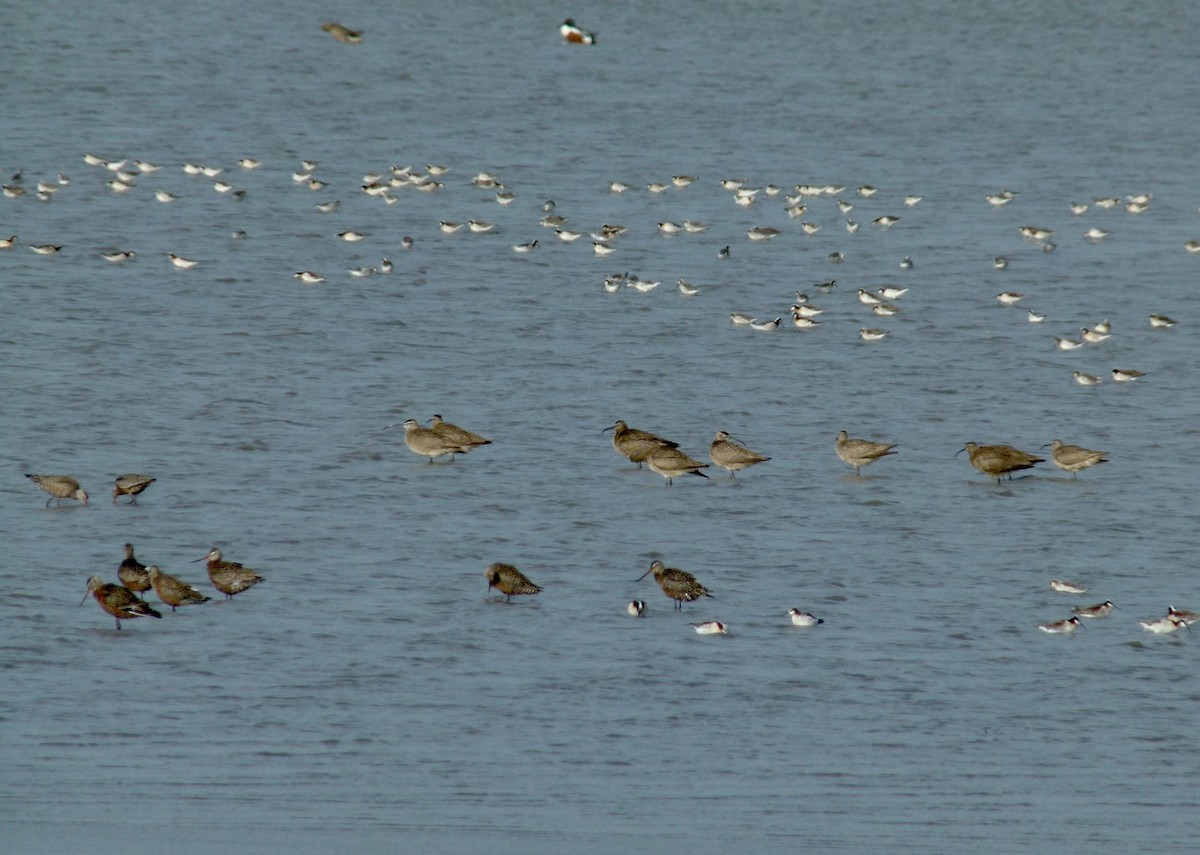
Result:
pixel 370 694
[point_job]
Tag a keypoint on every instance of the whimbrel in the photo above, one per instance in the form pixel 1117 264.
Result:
pixel 636 444
pixel 427 442
pixel 679 585
pixel 509 581
pixel 59 487
pixel 118 601
pixel 999 460
pixel 860 452
pixel 731 455
pixel 453 433
pixel 671 462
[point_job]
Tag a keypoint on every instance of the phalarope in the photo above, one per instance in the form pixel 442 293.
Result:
pixel 800 618
pixel 1164 625
pixel 1126 375
pixel 1085 379
pixel 1099 610
pixel 1063 627
pixel 637 608
pixel 1064 587
pixel 710 627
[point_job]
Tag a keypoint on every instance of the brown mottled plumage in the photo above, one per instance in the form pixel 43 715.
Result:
pixel 1072 458
pixel 119 602
pixel 860 452
pixel 132 572
pixel 172 591
pixel 130 485
pixel 636 444
pixel 59 487
pixel 509 581
pixel 679 585
pixel 229 577
pixel 454 434
pixel 731 455
pixel 999 460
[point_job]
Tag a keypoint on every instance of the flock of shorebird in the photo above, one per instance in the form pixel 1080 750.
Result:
pixel 662 456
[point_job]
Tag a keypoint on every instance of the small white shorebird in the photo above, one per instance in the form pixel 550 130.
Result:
pixel 181 262
pixel 1184 615
pixel 1126 375
pixel 1164 625
pixel 1009 298
pixel 1067 343
pixel 710 627
pixel 1063 627
pixel 1161 322
pixel 872 334
pixel 1085 379
pixel 1064 587
pixel 308 277
pixel 637 608
pixel 766 326
pixel 800 618
pixel 687 289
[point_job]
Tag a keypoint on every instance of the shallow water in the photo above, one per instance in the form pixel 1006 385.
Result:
pixel 371 692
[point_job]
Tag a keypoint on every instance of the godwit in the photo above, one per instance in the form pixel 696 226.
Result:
pixel 228 577
pixel 679 585
pixel 59 487
pixel 509 581
pixel 131 485
pixel 118 601
pixel 860 452
pixel 731 455
pixel 132 573
pixel 999 460
pixel 174 592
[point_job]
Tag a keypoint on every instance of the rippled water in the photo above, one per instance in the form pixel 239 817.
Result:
pixel 370 693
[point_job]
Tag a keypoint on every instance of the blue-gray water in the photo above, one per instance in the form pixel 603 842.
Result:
pixel 370 694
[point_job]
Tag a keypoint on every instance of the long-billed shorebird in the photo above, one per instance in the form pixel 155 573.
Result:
pixel 1184 615
pixel 1099 610
pixel 1072 458
pixel 172 591
pixel 59 487
pixel 131 485
pixel 1164 625
pixel 731 455
pixel 132 573
pixel 509 581
pixel 861 452
pixel 427 442
pixel 671 463
pixel 228 577
pixel 679 585
pixel 999 460
pixel 455 434
pixel 1063 627
pixel 118 601
pixel 800 618
pixel 636 444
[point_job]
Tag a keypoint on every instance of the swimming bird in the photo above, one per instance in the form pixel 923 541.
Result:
pixel 1099 610
pixel 45 248
pixel 567 236
pixel 999 460
pixel 525 247
pixel 118 601
pixel 1063 627
pixel 229 577
pixel 860 452
pixel 1009 298
pixel 683 180
pixel 671 462
pixel 1066 587
pixel 8 242
pixel 480 226
pixel 59 487
pixel 885 310
pixel 679 585
pixel 765 326
pixel 800 618
pixel 872 334
pixel 1126 375
pixel 132 573
pixel 427 442
pixel 181 262
pixel 731 455
pixel 761 233
pixel 637 608
pixel 723 252
pixel 249 163
pixel 1161 322
pixel 1184 615
pixel 1000 262
pixel 867 191
pixel 1092 336
pixel 740 319
pixel 454 434
pixel 574 34
pixel 164 196
pixel 308 277
pixel 636 444
pixel 131 485
pixel 1067 343
pixel 351 236
pixel 509 581
pixel 345 35
pixel 1085 379
pixel 172 591
pixel 1072 458
pixel 1164 625
pixel 710 627
pixel 886 221
pixel 1035 317
pixel 687 289
pixel 118 257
